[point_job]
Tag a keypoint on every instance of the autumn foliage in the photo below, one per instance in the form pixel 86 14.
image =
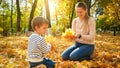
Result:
pixel 69 34
pixel 13 51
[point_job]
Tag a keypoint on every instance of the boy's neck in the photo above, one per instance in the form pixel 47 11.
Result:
pixel 36 33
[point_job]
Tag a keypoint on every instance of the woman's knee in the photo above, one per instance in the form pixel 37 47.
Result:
pixel 65 57
pixel 74 57
pixel 66 53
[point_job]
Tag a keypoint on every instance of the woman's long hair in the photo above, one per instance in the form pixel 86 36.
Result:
pixel 84 6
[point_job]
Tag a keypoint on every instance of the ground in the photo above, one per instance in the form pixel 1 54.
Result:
pixel 13 52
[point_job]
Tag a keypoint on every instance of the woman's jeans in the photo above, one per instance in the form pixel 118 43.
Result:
pixel 78 52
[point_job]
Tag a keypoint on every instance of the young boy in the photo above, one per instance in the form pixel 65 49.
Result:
pixel 37 46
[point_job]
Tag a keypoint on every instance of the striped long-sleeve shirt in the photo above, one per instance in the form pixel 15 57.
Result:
pixel 37 47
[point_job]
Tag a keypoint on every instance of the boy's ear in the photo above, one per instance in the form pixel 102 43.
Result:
pixel 36 27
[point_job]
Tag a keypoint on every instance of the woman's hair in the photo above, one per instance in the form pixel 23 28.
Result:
pixel 38 21
pixel 84 6
pixel 81 4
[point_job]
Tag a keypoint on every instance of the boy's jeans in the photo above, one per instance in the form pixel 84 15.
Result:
pixel 78 52
pixel 49 63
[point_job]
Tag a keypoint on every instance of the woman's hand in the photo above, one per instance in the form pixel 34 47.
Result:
pixel 77 35
pixel 74 37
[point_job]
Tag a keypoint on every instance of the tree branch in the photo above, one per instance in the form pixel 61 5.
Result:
pixel 93 4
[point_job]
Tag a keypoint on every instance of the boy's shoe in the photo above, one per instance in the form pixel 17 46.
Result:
pixel 49 63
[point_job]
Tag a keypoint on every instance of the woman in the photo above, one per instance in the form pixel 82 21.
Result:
pixel 85 29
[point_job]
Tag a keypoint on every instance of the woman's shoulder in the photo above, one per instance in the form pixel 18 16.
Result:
pixel 91 20
pixel 75 19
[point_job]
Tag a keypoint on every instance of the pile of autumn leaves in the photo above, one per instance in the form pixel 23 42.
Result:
pixel 13 52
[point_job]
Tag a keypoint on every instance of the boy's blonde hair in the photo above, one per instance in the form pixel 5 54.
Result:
pixel 38 21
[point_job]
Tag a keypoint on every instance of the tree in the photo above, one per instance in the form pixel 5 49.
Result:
pixel 111 10
pixel 47 12
pixel 18 16
pixel 72 14
pixel 0 1
pixel 32 14
pixel 89 4
pixel 4 17
pixel 11 16
pixel 25 17
pixel 64 14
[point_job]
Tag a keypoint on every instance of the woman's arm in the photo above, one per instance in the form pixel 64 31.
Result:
pixel 74 25
pixel 92 31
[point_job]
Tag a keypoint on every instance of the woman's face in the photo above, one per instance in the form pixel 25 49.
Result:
pixel 81 13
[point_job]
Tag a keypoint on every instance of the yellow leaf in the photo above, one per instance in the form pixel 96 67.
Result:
pixel 10 65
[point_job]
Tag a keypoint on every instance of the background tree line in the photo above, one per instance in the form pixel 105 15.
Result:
pixel 16 15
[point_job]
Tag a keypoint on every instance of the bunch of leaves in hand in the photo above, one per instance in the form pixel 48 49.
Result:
pixel 69 34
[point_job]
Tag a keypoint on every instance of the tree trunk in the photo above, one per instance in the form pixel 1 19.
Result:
pixel 0 1
pixel 88 2
pixel 11 16
pixel 114 32
pixel 32 14
pixel 71 18
pixel 18 16
pixel 4 32
pixel 47 12
pixel 25 16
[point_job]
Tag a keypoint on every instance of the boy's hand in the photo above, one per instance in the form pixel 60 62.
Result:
pixel 52 48
pixel 49 46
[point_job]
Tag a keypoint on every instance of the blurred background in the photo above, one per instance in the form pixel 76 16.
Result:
pixel 16 15
pixel 15 28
